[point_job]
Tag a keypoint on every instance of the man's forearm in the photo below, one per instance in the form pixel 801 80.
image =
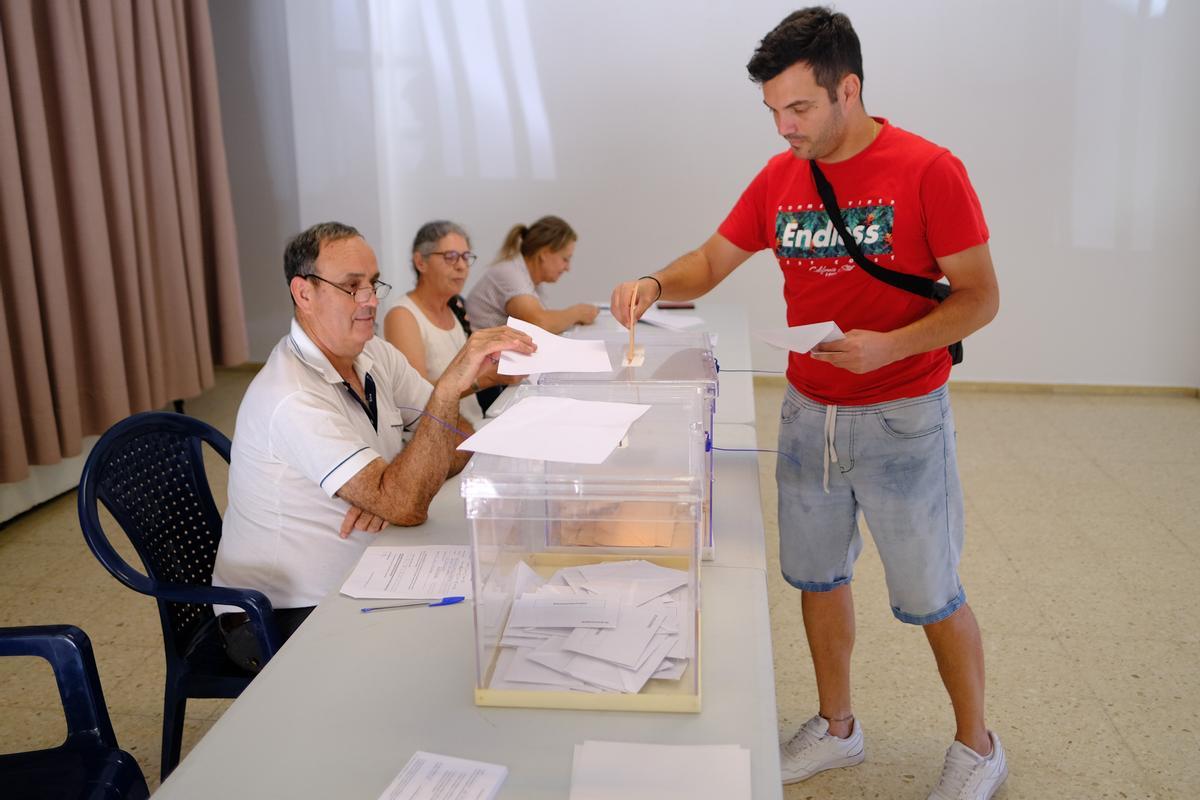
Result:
pixel 409 483
pixel 687 277
pixel 959 315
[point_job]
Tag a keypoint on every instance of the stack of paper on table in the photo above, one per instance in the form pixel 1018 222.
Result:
pixel 428 776
pixel 624 771
pixel 607 627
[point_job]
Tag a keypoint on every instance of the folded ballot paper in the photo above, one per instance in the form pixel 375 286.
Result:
pixel 607 627
pixel 627 771
pixel 428 776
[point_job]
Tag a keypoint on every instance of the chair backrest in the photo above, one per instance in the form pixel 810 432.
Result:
pixel 148 470
pixel 88 764
pixel 69 652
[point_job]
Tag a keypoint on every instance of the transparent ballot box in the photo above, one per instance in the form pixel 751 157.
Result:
pixel 665 362
pixel 586 576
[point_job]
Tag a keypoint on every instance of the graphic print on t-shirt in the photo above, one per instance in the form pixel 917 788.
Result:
pixel 805 235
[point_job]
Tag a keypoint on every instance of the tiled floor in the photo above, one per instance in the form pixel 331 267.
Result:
pixel 1082 562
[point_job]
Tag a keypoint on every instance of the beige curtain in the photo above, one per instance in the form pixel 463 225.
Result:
pixel 119 286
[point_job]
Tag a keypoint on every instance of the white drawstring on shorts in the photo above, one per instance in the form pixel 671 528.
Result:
pixel 830 450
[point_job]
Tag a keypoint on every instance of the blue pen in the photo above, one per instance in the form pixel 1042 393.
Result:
pixel 445 601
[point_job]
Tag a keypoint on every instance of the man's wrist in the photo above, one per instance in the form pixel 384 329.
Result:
pixel 657 284
pixel 445 392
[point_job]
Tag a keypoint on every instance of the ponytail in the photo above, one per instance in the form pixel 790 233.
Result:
pixel 512 243
pixel 548 232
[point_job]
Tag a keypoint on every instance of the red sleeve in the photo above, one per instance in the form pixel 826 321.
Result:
pixel 953 217
pixel 744 226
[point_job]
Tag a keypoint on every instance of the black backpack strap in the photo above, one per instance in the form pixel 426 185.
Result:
pixel 914 284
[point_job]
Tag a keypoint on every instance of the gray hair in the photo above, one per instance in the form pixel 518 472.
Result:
pixel 429 234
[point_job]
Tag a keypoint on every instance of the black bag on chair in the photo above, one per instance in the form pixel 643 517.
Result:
pixel 914 284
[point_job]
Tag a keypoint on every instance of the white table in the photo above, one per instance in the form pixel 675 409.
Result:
pixel 347 701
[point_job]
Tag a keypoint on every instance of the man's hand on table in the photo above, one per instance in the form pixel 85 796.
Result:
pixel 358 520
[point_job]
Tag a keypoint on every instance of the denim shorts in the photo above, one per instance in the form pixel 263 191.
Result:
pixel 896 463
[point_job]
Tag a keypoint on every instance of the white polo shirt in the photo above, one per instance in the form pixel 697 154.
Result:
pixel 300 436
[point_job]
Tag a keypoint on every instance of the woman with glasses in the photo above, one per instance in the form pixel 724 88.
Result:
pixel 429 324
pixel 530 256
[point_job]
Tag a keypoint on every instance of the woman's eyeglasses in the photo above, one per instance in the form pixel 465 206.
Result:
pixel 452 256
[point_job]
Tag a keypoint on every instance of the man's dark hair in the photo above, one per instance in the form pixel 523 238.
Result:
pixel 300 255
pixel 820 37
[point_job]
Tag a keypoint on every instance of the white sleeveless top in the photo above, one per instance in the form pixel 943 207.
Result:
pixel 441 346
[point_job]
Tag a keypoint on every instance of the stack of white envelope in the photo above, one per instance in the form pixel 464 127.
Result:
pixel 606 627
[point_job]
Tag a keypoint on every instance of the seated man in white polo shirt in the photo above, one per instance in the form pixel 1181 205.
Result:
pixel 318 463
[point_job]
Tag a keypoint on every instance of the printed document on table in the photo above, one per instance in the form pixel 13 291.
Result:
pixel 428 776
pixel 557 429
pixel 554 353
pixel 802 338
pixel 420 572
pixel 671 320
pixel 624 771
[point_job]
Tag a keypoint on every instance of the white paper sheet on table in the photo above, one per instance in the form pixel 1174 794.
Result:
pixel 671 320
pixel 428 776
pixel 557 429
pixel 554 353
pixel 802 338
pixel 626 771
pixel 418 572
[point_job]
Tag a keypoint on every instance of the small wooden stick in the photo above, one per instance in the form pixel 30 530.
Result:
pixel 632 322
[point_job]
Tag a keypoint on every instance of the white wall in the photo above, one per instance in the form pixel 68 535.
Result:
pixel 256 118
pixel 635 121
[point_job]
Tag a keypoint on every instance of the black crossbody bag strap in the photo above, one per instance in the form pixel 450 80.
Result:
pixel 913 284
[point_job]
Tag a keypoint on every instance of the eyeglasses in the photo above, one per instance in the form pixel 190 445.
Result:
pixel 363 293
pixel 452 256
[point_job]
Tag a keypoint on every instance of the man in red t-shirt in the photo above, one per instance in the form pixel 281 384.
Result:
pixel 866 423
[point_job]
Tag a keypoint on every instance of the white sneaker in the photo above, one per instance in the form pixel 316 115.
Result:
pixel 813 749
pixel 968 775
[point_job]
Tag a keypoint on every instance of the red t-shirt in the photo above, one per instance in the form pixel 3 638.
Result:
pixel 908 202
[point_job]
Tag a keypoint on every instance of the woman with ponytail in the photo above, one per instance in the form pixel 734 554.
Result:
pixel 530 256
pixel 429 324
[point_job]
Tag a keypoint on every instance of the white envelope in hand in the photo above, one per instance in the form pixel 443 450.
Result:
pixel 554 353
pixel 802 338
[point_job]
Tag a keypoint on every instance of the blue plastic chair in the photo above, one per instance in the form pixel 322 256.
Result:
pixel 89 764
pixel 148 470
